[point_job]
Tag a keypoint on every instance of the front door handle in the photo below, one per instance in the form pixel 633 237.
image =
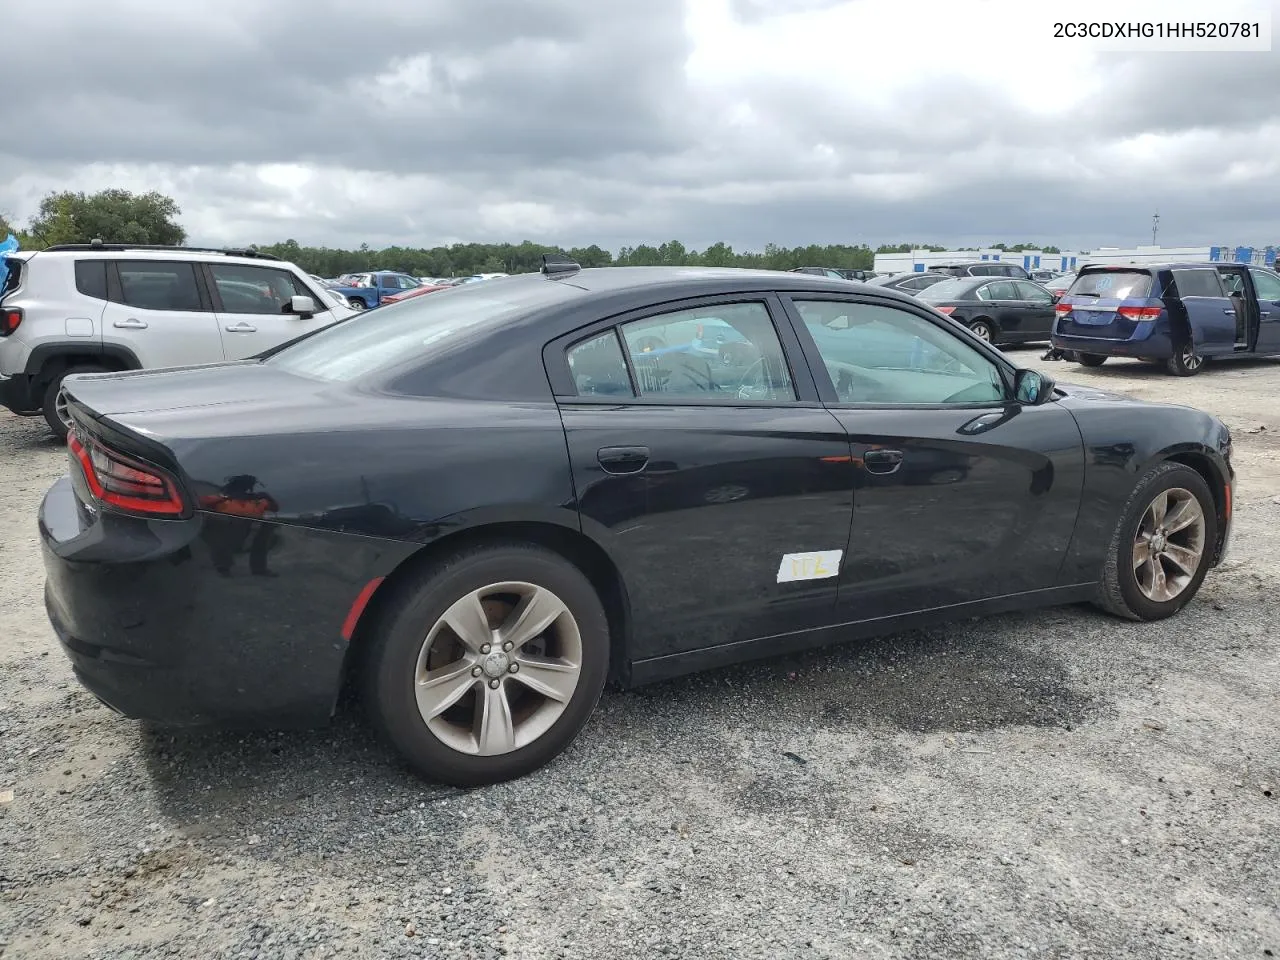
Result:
pixel 882 461
pixel 133 323
pixel 623 459
pixel 241 327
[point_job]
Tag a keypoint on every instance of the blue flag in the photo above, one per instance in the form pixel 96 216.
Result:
pixel 10 245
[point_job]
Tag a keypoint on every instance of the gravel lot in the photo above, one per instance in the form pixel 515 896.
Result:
pixel 1056 784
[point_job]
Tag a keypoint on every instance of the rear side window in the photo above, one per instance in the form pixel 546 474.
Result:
pixel 1198 283
pixel 159 285
pixel 10 274
pixel 599 369
pixel 1113 285
pixel 91 278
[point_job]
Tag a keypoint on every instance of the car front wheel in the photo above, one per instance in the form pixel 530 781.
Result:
pixel 486 666
pixel 1162 547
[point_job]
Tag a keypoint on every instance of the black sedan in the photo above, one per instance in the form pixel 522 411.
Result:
pixel 999 310
pixel 481 506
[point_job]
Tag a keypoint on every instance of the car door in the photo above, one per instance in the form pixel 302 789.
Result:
pixel 961 493
pixel 1037 310
pixel 1266 286
pixel 1209 310
pixel 722 487
pixel 253 307
pixel 1007 309
pixel 160 311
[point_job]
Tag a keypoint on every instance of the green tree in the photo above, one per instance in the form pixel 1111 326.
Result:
pixel 113 216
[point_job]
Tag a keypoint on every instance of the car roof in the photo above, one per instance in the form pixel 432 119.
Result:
pixel 178 254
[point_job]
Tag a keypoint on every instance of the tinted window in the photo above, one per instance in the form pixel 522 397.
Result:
pixel 1198 283
pixel 91 278
pixel 885 355
pixel 953 289
pixel 256 289
pixel 598 367
pixel 726 351
pixel 1003 290
pixel 923 283
pixel 417 329
pixel 158 285
pixel 1112 284
pixel 1267 284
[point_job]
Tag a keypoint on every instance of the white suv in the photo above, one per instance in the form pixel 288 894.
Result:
pixel 95 307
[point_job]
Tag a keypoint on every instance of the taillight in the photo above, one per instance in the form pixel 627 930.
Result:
pixel 1060 310
pixel 10 318
pixel 947 310
pixel 124 483
pixel 1140 313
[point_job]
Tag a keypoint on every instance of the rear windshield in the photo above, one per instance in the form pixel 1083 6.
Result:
pixel 415 329
pixel 946 290
pixel 1112 285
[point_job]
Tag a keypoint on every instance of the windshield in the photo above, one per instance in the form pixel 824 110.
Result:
pixel 416 328
pixel 1112 284
pixel 945 290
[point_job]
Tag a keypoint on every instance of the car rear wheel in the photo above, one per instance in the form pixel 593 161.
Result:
pixel 1186 362
pixel 356 303
pixel 54 406
pixel 982 330
pixel 1162 547
pixel 1090 359
pixel 486 666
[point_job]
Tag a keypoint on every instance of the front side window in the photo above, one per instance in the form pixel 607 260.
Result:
pixel 159 285
pixel 1267 285
pixel 722 352
pixel 258 290
pixel 882 355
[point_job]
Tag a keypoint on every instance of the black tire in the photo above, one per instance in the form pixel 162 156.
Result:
pixel 983 330
pixel 1119 593
pixel 1185 362
pixel 49 406
pixel 1090 359
pixel 357 304
pixel 397 633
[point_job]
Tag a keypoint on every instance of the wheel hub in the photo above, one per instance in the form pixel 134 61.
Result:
pixel 495 664
pixel 1159 541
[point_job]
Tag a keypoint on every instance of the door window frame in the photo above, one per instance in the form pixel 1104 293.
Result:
pixel 555 357
pixel 822 377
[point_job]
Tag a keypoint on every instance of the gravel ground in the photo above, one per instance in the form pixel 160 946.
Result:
pixel 1056 784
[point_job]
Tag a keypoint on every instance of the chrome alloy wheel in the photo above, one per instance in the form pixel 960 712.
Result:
pixel 1168 547
pixel 498 668
pixel 60 409
pixel 1190 359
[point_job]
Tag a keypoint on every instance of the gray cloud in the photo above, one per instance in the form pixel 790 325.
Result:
pixel 573 121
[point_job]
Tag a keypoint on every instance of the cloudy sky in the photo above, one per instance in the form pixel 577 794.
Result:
pixel 620 122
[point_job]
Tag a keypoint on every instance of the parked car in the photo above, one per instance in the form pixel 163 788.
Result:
pixel 415 292
pixel 912 282
pixel 97 307
pixel 997 310
pixel 370 289
pixel 980 268
pixel 1180 314
pixel 1059 285
pixel 476 505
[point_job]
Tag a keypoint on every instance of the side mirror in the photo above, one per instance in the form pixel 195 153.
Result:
pixel 1033 388
pixel 303 307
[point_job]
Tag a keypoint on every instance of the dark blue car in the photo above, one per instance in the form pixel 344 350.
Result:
pixel 1178 314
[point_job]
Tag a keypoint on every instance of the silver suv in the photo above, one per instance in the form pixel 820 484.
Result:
pixel 96 307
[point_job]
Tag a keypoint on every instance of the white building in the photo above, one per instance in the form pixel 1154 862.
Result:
pixel 1067 260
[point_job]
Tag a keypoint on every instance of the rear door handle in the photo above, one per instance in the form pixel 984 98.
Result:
pixel 241 327
pixel 1231 311
pixel 133 323
pixel 623 459
pixel 882 461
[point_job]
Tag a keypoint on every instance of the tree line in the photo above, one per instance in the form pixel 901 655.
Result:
pixel 119 216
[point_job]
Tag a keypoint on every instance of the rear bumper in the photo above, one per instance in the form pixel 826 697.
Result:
pixel 1154 348
pixel 217 620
